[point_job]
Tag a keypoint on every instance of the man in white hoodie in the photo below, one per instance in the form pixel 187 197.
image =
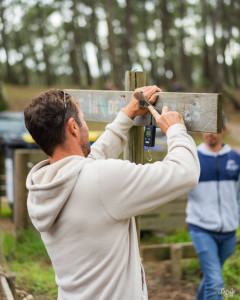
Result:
pixel 83 201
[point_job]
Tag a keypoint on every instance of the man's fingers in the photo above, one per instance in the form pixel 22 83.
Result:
pixel 148 90
pixel 153 99
pixel 143 89
pixel 151 91
pixel 165 109
pixel 154 112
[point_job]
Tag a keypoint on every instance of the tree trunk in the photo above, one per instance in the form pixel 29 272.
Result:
pixel 206 64
pixel 80 55
pixel 3 103
pixel 149 44
pixel 234 68
pixel 95 40
pixel 166 20
pixel 85 61
pixel 224 42
pixel 111 41
pixel 216 73
pixel 185 63
pixel 24 74
pixel 127 41
pixel 46 51
pixel 10 77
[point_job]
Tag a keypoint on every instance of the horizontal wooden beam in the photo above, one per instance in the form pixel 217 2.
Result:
pixel 200 111
pixel 163 224
pixel 163 251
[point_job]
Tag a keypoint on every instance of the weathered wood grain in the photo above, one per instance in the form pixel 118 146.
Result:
pixel 160 252
pixel 163 224
pixel 200 111
pixel 134 148
pixel 163 251
pixel 22 157
pixel 7 294
pixel 175 207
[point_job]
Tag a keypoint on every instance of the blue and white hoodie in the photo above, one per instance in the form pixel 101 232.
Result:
pixel 214 204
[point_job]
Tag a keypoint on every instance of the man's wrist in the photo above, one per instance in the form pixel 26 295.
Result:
pixel 129 112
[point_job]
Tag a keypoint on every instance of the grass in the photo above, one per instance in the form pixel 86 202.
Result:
pixel 179 235
pixel 5 210
pixel 25 254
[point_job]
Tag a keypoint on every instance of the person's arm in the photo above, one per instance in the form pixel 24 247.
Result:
pixel 111 143
pixel 127 189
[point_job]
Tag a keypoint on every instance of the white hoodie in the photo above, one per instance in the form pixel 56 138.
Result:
pixel 84 208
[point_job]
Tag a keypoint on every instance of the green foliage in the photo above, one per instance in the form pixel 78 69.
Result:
pixel 5 210
pixel 25 254
pixel 192 271
pixel 231 271
pixel 179 235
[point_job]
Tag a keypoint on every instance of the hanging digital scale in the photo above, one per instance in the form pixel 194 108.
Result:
pixel 150 130
pixel 149 135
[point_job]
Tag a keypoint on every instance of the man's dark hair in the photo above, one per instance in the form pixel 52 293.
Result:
pixel 45 118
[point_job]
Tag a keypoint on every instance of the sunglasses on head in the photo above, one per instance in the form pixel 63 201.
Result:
pixel 65 109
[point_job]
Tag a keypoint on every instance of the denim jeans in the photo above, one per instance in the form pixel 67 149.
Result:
pixel 212 253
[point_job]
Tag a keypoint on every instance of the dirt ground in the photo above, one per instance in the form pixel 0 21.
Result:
pixel 162 287
pixel 6 225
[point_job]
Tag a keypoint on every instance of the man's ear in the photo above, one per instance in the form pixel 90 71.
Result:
pixel 72 126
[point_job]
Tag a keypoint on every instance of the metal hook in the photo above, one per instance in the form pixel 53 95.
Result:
pixel 149 157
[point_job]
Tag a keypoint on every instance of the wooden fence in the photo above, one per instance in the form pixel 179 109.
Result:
pixel 2 175
pixel 8 286
pixel 24 160
pixel 167 217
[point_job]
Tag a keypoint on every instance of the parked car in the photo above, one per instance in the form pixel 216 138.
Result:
pixel 13 133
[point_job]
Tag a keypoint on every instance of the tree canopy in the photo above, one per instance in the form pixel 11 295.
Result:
pixel 181 44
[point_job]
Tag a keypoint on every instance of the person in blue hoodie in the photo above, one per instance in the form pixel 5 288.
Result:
pixel 213 211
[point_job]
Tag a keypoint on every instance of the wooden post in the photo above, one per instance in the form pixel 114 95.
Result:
pixel 20 193
pixel 22 158
pixel 176 256
pixel 7 294
pixel 11 279
pixel 134 149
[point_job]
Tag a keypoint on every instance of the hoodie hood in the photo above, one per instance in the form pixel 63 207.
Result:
pixel 204 150
pixel 49 188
